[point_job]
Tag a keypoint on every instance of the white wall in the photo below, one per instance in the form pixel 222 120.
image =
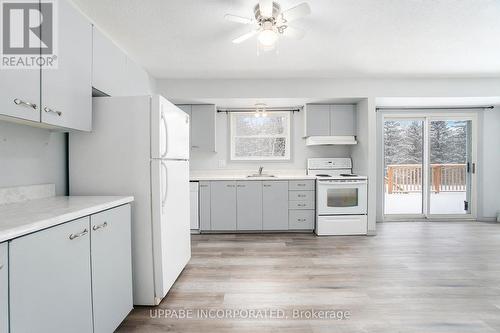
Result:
pixel 32 156
pixel 299 153
pixel 364 160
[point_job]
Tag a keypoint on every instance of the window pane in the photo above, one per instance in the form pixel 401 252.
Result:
pixel 250 125
pixel 256 147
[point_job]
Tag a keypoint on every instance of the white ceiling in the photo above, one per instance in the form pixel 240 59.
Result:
pixel 345 38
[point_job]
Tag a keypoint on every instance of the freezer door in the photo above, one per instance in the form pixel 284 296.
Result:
pixel 169 130
pixel 171 222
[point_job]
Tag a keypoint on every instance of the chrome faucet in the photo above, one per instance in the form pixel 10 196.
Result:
pixel 260 170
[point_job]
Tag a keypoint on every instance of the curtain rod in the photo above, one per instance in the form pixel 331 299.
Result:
pixel 489 107
pixel 252 110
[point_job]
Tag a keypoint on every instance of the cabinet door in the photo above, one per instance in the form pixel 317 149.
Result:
pixel 111 267
pixel 204 206
pixel 317 120
pixel 223 205
pixel 342 120
pixel 108 65
pixel 4 287
pixel 67 90
pixel 249 205
pixel 203 127
pixel 20 96
pixel 275 205
pixel 50 288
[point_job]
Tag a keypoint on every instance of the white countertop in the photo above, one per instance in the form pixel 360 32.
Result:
pixel 18 219
pixel 200 175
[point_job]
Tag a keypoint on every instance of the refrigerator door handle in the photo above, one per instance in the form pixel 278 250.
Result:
pixel 166 135
pixel 164 192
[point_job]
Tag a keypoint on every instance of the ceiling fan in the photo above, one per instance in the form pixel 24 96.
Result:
pixel 271 22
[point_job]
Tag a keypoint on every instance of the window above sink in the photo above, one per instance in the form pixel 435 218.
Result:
pixel 260 137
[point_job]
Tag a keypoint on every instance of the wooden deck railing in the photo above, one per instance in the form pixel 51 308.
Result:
pixel 406 178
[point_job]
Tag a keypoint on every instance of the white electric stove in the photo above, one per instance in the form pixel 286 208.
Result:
pixel 341 197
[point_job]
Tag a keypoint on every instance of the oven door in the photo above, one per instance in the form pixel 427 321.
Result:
pixel 338 197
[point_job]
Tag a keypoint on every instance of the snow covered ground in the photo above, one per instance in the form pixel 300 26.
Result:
pixel 411 203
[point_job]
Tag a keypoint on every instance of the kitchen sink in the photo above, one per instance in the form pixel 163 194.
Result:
pixel 263 175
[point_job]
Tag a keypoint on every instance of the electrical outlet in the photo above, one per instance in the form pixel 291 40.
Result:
pixel 222 163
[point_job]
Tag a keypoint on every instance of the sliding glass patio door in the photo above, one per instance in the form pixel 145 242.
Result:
pixel 428 166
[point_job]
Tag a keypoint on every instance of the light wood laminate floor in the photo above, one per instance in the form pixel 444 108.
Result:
pixel 411 277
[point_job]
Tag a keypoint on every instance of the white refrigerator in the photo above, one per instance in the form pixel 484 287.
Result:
pixel 140 146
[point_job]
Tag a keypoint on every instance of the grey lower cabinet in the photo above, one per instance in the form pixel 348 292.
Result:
pixel 255 205
pixel 50 280
pixel 4 285
pixel 223 205
pixel 111 268
pixel 249 205
pixel 204 202
pixel 74 277
pixel 275 205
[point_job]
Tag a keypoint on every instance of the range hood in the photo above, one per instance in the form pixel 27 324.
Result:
pixel 330 140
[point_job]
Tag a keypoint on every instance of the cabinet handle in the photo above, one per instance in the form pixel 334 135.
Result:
pixel 230 185
pixel 17 101
pixel 301 184
pixel 80 234
pixel 301 195
pixel 97 227
pixel 241 185
pixel 267 185
pixel 301 205
pixel 49 110
pixel 1 266
pixel 195 146
pixel 203 185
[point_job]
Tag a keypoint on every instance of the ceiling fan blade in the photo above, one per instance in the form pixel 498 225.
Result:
pixel 237 19
pixel 244 37
pixel 293 32
pixel 296 12
pixel 266 8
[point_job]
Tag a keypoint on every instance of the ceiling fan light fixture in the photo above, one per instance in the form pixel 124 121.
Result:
pixel 268 35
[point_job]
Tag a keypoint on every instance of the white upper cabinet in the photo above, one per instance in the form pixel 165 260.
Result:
pixel 342 119
pixel 203 129
pixel 60 96
pixel 317 122
pixel 20 94
pixel 4 285
pixel 66 91
pixel 330 120
pixel 109 67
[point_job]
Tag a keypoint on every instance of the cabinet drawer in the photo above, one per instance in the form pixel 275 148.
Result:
pixel 301 205
pixel 301 185
pixel 301 195
pixel 301 220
